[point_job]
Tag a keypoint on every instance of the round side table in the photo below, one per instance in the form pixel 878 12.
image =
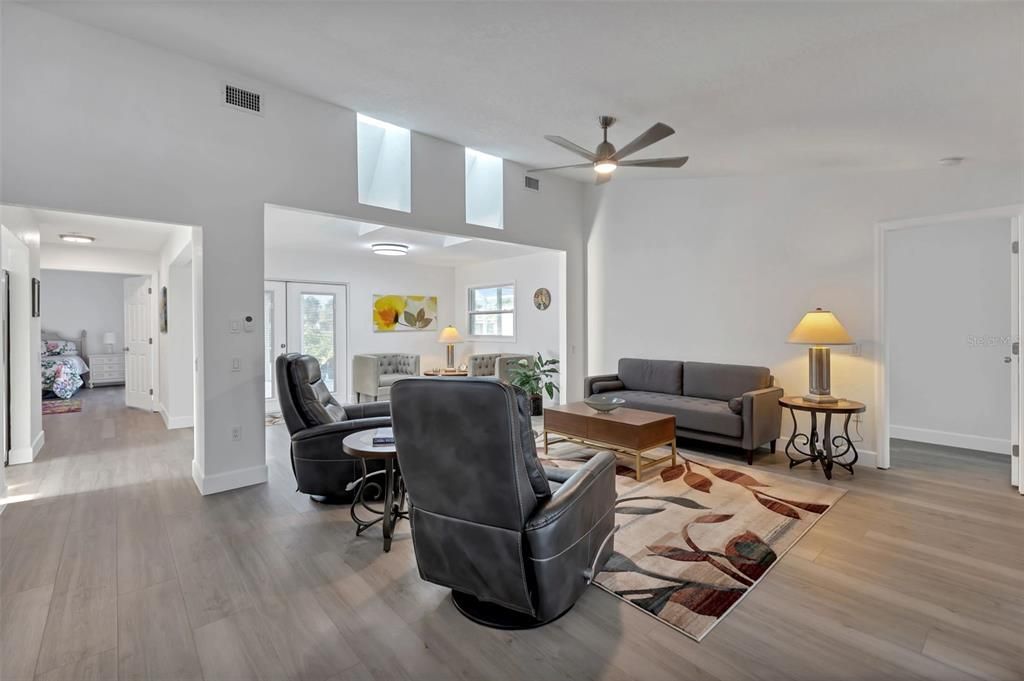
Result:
pixel 360 445
pixel 827 449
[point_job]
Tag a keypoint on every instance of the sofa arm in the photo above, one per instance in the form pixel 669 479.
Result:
pixel 367 410
pixel 366 374
pixel 323 443
pixel 589 381
pixel 762 416
pixel 586 496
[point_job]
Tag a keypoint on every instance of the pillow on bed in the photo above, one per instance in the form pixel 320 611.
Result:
pixel 55 348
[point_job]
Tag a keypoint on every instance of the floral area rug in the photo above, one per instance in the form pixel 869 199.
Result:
pixel 61 406
pixel 697 537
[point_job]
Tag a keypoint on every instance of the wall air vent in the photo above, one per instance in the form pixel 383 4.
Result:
pixel 243 99
pixel 532 183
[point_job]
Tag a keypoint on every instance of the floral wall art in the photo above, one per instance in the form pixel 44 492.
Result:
pixel 393 312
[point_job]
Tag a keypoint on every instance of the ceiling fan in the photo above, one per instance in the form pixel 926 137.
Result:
pixel 605 158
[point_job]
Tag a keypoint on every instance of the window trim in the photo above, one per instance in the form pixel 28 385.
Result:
pixel 470 313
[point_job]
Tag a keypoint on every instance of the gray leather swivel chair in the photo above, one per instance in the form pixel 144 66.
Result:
pixel 516 543
pixel 318 424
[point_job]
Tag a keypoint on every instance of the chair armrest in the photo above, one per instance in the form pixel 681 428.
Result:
pixel 579 505
pixel 367 410
pixel 366 374
pixel 762 416
pixel 589 381
pixel 340 429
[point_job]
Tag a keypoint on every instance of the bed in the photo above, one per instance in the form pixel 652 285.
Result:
pixel 63 362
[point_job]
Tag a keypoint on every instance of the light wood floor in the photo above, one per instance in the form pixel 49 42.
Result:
pixel 120 570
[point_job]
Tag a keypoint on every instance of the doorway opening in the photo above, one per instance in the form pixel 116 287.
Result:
pixel 111 329
pixel 949 329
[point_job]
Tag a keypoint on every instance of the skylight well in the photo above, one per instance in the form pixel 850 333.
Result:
pixel 484 190
pixel 385 166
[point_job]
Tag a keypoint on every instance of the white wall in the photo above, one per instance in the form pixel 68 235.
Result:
pixel 156 143
pixel 365 277
pixel 721 269
pixel 175 383
pixel 22 237
pixel 536 330
pixel 93 301
pixel 948 322
pixel 90 259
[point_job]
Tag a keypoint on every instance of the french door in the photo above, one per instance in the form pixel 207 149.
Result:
pixel 311 319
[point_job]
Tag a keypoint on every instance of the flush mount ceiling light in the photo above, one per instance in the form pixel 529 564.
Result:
pixel 389 249
pixel 78 238
pixel 951 160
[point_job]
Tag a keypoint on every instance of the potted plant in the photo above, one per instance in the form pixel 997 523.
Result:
pixel 536 377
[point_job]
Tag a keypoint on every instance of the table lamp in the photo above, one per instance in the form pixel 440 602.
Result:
pixel 819 329
pixel 450 336
pixel 108 340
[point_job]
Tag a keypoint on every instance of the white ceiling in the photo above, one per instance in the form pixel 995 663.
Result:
pixel 131 235
pixel 757 87
pixel 304 231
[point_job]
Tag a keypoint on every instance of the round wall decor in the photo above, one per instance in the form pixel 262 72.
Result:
pixel 542 299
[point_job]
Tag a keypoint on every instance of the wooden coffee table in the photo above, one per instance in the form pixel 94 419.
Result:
pixel 629 431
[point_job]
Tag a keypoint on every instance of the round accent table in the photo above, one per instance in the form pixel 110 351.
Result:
pixel 828 449
pixel 360 445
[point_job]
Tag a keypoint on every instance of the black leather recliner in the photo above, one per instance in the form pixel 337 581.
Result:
pixel 516 543
pixel 318 424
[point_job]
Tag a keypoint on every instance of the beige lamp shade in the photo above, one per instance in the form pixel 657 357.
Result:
pixel 449 334
pixel 109 338
pixel 820 327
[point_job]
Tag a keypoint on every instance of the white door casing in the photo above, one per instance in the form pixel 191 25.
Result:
pixel 138 350
pixel 274 338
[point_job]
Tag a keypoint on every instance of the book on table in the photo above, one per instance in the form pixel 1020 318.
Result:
pixel 382 437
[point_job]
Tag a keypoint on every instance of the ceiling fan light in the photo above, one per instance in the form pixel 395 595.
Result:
pixel 389 249
pixel 605 167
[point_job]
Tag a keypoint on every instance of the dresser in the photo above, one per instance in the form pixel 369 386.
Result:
pixel 106 369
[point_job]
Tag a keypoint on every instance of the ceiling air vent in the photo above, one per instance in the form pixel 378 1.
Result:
pixel 243 99
pixel 532 183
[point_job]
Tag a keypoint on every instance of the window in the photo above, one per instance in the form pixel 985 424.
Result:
pixel 318 333
pixel 492 311
pixel 384 164
pixel 484 179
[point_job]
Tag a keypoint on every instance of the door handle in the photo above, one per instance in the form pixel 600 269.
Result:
pixel 1007 359
pixel 126 348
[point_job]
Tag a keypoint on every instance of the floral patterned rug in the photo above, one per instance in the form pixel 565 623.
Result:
pixel 697 537
pixel 61 406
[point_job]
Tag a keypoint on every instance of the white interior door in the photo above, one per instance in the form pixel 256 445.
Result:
pixel 1017 380
pixel 316 325
pixel 138 348
pixel 275 339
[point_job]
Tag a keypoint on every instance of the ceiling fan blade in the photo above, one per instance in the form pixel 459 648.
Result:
pixel 655 133
pixel 576 165
pixel 671 162
pixel 602 178
pixel 571 146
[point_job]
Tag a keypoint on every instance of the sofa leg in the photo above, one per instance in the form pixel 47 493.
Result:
pixel 750 457
pixel 771 447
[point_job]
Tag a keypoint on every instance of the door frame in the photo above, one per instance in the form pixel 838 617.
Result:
pixel 1014 214
pixel 348 324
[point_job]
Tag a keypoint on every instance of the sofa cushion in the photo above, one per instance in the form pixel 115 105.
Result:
pixel 655 375
pixel 723 381
pixel 606 386
pixel 736 404
pixel 386 380
pixel 692 413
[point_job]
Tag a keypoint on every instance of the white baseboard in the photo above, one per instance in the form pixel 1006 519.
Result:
pixel 20 455
pixel 222 482
pixel 941 437
pixel 174 422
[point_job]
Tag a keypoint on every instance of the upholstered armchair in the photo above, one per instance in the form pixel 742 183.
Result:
pixel 517 543
pixel 373 375
pixel 494 364
pixel 318 424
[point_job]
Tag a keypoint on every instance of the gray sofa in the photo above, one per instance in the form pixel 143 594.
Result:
pixel 373 375
pixel 494 364
pixel 729 404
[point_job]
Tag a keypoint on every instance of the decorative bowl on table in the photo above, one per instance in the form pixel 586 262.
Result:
pixel 604 403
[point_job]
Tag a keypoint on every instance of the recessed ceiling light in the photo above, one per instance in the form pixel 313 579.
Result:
pixel 78 238
pixel 389 249
pixel 951 160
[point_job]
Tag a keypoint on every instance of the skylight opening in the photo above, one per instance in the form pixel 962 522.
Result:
pixel 484 189
pixel 385 164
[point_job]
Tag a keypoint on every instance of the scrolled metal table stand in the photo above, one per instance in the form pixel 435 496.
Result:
pixel 392 511
pixel 828 449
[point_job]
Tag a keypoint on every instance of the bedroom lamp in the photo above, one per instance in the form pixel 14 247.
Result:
pixel 450 336
pixel 819 329
pixel 108 340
